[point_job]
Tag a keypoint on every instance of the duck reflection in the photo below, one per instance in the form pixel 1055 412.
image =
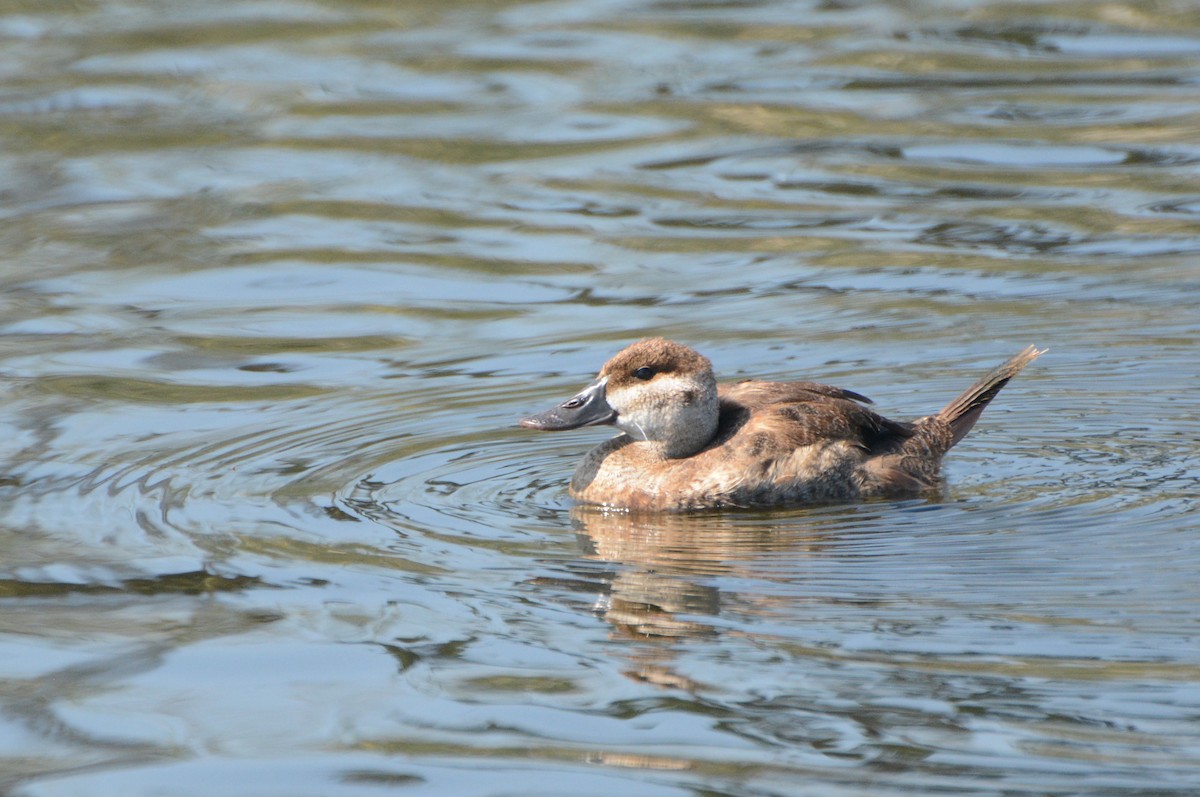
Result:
pixel 668 583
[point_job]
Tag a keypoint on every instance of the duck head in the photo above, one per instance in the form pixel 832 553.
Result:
pixel 655 390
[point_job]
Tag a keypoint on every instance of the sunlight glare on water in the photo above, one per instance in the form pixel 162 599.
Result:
pixel 278 279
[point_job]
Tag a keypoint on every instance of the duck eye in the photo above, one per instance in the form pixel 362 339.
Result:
pixel 645 372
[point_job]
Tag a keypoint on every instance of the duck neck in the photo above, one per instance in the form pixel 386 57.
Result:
pixel 693 430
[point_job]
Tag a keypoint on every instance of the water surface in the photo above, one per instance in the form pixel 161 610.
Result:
pixel 277 279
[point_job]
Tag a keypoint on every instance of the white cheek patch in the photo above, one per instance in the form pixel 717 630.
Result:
pixel 646 410
pixel 672 385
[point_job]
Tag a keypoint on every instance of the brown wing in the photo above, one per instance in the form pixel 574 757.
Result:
pixel 777 417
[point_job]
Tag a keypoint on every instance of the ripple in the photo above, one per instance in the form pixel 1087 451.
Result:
pixel 1100 45
pixel 1019 155
pixel 464 488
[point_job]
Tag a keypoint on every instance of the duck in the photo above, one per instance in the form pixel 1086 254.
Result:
pixel 688 443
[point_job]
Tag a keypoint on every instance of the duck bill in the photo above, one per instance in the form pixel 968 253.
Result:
pixel 589 407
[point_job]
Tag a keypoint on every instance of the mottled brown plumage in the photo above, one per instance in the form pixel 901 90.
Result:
pixel 691 444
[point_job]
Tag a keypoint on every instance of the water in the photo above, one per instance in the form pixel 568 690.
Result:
pixel 277 279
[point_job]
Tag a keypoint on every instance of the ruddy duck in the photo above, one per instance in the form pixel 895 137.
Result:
pixel 690 443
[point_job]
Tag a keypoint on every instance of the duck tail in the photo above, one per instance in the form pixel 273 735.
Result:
pixel 962 413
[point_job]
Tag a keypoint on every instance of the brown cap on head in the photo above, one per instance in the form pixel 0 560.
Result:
pixel 659 355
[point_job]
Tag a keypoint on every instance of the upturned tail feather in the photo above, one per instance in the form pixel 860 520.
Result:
pixel 962 413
